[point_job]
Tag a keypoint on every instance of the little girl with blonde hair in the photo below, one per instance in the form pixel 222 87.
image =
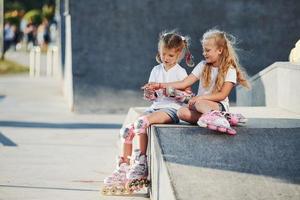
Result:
pixel 172 47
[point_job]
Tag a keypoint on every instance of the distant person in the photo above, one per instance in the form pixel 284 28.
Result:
pixel 9 37
pixel 30 32
pixel 43 34
pixel 217 75
pixel 53 32
pixel 172 47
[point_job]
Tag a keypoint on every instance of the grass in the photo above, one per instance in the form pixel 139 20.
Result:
pixel 10 67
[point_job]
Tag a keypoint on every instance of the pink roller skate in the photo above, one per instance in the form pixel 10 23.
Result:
pixel 116 183
pixel 179 95
pixel 140 125
pixel 235 119
pixel 215 120
pixel 138 173
pixel 149 94
pixel 127 132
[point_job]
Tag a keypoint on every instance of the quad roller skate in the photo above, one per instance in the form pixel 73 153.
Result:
pixel 179 95
pixel 235 119
pixel 115 184
pixel 215 120
pixel 138 173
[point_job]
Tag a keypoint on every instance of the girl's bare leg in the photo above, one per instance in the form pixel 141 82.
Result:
pixel 204 106
pixel 188 115
pixel 153 118
pixel 127 151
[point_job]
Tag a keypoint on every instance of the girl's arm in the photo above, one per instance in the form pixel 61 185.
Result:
pixel 181 85
pixel 219 96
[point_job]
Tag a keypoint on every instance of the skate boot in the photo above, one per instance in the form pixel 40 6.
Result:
pixel 138 173
pixel 116 183
pixel 215 120
pixel 140 125
pixel 127 133
pixel 149 94
pixel 179 95
pixel 235 119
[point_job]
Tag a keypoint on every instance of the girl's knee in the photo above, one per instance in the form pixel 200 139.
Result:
pixel 202 106
pixel 182 113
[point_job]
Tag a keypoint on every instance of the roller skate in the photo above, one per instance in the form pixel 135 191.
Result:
pixel 149 94
pixel 179 95
pixel 235 119
pixel 215 120
pixel 138 173
pixel 115 184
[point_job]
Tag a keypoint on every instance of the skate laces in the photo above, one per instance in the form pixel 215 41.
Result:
pixel 211 115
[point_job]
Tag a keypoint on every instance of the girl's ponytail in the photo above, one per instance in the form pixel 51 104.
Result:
pixel 157 58
pixel 188 56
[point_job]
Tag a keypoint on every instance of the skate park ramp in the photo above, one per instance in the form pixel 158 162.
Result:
pixel 261 162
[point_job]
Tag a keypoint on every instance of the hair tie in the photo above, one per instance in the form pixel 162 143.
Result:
pixel 183 38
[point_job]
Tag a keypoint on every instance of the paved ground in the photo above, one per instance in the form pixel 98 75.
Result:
pixel 48 152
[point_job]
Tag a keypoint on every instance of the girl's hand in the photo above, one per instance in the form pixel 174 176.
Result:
pixel 152 86
pixel 192 102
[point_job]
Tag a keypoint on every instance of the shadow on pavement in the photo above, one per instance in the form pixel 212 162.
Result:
pixel 59 125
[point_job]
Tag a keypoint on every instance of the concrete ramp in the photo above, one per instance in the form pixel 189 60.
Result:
pixel 189 162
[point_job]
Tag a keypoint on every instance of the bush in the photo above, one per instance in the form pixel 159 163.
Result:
pixel 10 67
pixel 12 17
pixel 35 16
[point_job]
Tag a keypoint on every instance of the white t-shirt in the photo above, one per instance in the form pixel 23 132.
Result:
pixel 230 77
pixel 160 75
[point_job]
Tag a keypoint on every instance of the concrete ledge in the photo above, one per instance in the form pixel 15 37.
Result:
pixel 275 86
pixel 261 162
pixel 195 163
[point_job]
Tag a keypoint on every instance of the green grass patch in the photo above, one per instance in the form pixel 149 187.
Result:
pixel 10 67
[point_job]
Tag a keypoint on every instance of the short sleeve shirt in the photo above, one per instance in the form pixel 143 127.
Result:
pixel 160 75
pixel 231 76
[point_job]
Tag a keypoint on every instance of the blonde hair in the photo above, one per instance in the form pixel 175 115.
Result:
pixel 228 58
pixel 173 40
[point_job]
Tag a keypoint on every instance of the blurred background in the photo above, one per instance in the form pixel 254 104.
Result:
pixel 29 23
pixel 102 52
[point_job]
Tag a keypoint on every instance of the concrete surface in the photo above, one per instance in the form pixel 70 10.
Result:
pixel 275 86
pixel 48 152
pixel 261 162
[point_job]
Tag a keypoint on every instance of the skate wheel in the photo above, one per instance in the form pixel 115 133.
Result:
pixel 122 190
pixel 222 129
pixel 146 183
pixel 129 191
pixel 211 127
pixel 132 184
pixel 104 191
pixel 141 184
pixel 137 183
pixel 231 131
pixel 113 190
